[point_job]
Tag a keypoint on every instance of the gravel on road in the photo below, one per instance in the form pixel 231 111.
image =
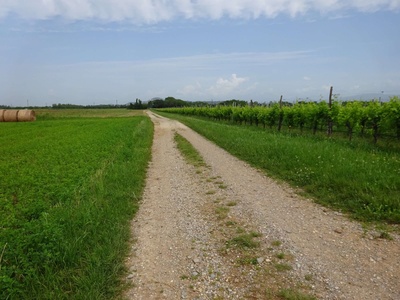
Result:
pixel 227 231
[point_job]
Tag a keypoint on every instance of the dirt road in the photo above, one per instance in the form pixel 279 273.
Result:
pixel 226 231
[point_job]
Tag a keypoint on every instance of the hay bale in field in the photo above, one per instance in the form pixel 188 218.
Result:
pixel 26 115
pixel 14 115
pixel 1 115
pixel 10 115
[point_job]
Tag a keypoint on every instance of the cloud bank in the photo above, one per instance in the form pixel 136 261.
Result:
pixel 154 11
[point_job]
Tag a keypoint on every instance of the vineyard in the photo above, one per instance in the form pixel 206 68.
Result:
pixel 367 119
pixel 356 177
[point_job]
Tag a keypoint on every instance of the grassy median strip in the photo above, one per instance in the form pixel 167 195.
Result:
pixel 191 155
pixel 242 248
pixel 69 188
pixel 353 177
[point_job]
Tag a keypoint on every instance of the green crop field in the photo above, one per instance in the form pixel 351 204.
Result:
pixel 69 186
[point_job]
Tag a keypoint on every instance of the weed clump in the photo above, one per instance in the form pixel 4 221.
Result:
pixel 243 241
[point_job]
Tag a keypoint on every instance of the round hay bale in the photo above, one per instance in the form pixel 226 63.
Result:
pixel 10 115
pixel 26 115
pixel 14 115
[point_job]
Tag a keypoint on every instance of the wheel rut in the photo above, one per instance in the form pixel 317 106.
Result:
pixel 226 231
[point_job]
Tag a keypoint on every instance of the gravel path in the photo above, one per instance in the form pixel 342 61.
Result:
pixel 188 234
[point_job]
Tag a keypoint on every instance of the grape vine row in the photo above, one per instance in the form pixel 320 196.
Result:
pixel 364 118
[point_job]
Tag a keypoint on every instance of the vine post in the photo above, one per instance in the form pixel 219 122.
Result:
pixel 280 118
pixel 330 122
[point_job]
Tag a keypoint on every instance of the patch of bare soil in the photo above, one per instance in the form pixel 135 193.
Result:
pixel 226 231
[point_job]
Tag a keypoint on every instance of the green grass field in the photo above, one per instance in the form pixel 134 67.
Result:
pixel 69 186
pixel 47 114
pixel 357 178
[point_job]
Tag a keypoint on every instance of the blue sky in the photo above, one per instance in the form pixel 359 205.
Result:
pixel 100 52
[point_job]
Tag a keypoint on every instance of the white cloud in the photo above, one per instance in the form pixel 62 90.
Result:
pixel 226 86
pixel 154 11
pixel 306 78
pixel 191 90
pixel 213 61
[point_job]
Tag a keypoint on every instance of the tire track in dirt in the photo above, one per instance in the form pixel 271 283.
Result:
pixel 177 253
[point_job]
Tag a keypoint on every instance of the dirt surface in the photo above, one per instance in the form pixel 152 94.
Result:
pixel 189 234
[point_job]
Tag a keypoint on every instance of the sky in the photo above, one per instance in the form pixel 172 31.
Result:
pixel 94 52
